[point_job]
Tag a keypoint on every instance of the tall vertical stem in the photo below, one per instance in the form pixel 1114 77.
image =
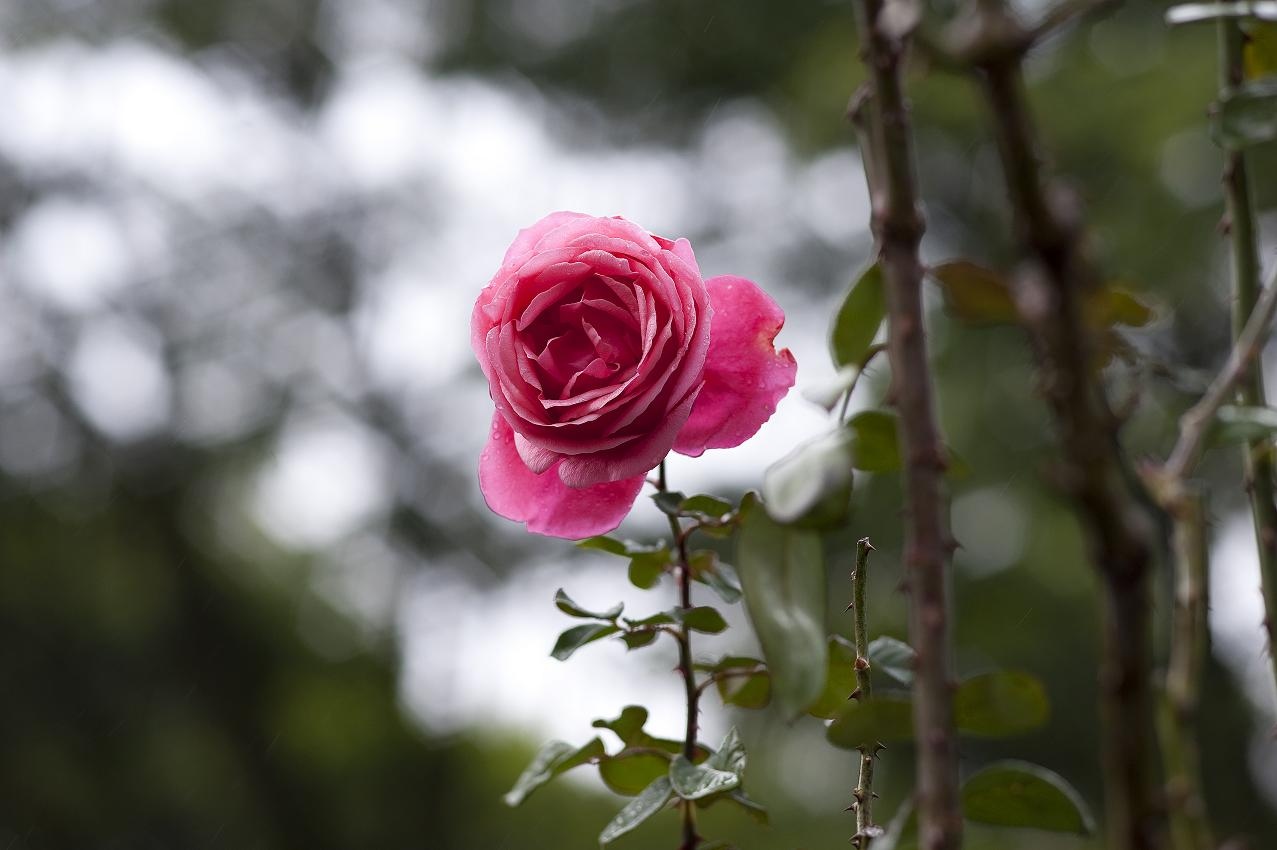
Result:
pixel 1177 726
pixel 1053 289
pixel 898 227
pixel 1257 456
pixel 683 575
pixel 864 690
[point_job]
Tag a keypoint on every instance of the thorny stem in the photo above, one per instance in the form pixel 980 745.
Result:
pixel 1257 457
pixel 683 575
pixel 1189 826
pixel 863 802
pixel 1052 290
pixel 898 226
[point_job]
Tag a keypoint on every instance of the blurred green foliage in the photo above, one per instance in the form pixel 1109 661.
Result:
pixel 155 689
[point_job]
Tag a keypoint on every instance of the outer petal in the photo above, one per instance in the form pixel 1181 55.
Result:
pixel 744 375
pixel 544 502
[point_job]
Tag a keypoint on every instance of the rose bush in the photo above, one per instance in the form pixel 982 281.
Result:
pixel 604 349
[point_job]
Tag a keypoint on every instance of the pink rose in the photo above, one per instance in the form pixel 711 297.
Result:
pixel 604 350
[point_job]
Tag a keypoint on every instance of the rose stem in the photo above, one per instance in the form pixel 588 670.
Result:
pixel 1256 455
pixel 683 635
pixel 863 802
pixel 898 226
pixel 1052 292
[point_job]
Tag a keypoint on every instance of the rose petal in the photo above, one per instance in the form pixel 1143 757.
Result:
pixel 544 502
pixel 744 375
pixel 636 457
pixel 523 245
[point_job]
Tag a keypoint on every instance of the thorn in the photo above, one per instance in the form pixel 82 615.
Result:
pixel 854 694
pixel 850 605
pixel 862 663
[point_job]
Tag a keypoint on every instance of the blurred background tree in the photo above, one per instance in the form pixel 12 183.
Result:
pixel 249 595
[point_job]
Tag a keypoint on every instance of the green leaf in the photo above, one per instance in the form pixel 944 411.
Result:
pixel 649 802
pixel 710 506
pixel 1237 424
pixel 1118 306
pixel 840 679
pixel 669 502
pixel 893 657
pixel 730 755
pixel 875 443
pixel 749 686
pixel 694 781
pixel 1259 55
pixel 702 618
pixel 664 618
pixel 646 568
pixel 628 726
pixel 864 723
pixel 1191 13
pixel 829 392
pixel 635 640
pixel 713 573
pixel 782 572
pixel 628 772
pixel 1246 115
pixel 567 606
pixel 578 636
pixel 816 470
pixel 1001 703
pixel 1020 794
pixel 553 759
pixel 604 544
pixel 858 318
pixel 974 293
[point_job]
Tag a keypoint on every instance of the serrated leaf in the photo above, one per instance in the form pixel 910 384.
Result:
pixel 840 679
pixel 974 293
pixel 716 575
pixel 817 470
pixel 710 506
pixel 783 574
pixel 554 758
pixel 694 781
pixel 1020 794
pixel 578 636
pixel 893 657
pixel 669 502
pixel 604 544
pixel 1191 13
pixel 630 771
pixel 1246 114
pixel 863 723
pixel 730 755
pixel 858 318
pixel 829 392
pixel 875 442
pixel 565 604
pixel 1237 424
pixel 649 802
pixel 1001 703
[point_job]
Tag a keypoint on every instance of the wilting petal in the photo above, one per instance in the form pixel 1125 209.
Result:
pixel 744 375
pixel 544 502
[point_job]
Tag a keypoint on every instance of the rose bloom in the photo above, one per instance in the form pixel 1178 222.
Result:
pixel 604 349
